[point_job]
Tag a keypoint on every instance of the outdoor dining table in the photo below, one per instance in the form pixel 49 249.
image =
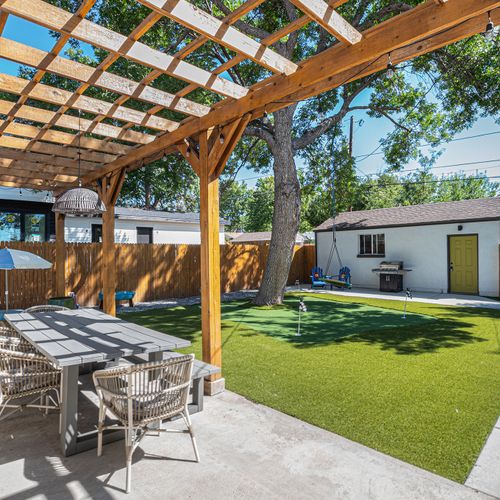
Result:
pixel 73 338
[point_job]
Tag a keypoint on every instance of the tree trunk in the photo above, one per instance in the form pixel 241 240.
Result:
pixel 286 213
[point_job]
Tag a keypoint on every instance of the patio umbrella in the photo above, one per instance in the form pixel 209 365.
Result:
pixel 17 259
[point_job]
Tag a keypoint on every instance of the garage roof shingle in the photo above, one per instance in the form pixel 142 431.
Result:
pixel 417 215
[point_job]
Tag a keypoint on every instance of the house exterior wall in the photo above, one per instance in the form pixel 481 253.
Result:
pixel 424 249
pixel 79 230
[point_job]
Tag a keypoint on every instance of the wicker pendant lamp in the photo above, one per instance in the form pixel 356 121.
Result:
pixel 79 200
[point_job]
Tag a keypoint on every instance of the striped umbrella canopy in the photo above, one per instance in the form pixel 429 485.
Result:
pixel 18 259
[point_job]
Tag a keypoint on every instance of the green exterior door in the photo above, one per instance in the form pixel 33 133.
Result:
pixel 463 261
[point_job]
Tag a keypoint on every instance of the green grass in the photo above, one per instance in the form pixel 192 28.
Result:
pixel 424 390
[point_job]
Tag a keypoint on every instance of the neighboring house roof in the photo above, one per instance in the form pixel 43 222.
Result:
pixel 259 236
pixel 417 215
pixel 127 213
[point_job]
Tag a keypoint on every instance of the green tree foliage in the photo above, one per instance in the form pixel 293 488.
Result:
pixel 234 204
pixel 260 206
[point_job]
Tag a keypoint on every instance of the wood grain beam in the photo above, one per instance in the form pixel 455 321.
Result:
pixel 57 19
pixel 73 122
pixel 192 17
pixel 58 137
pixel 53 95
pixel 57 161
pixel 23 54
pixel 54 151
pixel 329 19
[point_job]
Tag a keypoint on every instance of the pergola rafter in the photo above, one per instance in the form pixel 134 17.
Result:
pixel 45 157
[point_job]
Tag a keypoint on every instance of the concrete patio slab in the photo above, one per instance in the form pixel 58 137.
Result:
pixel 485 474
pixel 247 451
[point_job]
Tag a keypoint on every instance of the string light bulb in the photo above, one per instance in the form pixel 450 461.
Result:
pixel 222 138
pixel 489 32
pixel 188 152
pixel 391 69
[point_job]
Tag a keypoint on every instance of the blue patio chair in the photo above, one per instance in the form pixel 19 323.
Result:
pixel 317 278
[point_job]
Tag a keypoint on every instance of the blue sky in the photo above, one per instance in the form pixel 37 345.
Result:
pixel 366 136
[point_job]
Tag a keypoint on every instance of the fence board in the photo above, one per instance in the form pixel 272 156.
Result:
pixel 155 271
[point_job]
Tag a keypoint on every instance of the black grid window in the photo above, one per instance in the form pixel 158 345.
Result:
pixel 372 244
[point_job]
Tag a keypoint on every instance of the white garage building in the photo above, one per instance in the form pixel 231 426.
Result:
pixel 449 247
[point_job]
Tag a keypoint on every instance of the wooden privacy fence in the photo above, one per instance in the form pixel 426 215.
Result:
pixel 154 271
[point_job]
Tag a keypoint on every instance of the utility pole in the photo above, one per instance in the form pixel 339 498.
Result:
pixel 351 134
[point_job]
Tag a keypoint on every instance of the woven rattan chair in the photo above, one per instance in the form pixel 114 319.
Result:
pixel 140 397
pixel 27 375
pixel 10 339
pixel 16 344
pixel 45 308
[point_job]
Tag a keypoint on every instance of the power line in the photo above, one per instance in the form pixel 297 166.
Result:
pixel 444 166
pixel 374 152
pixel 401 171
pixel 436 181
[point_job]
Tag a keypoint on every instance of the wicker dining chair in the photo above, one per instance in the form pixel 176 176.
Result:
pixel 26 374
pixel 140 397
pixel 10 339
pixel 45 308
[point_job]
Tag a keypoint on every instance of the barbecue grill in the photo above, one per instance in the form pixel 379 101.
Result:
pixel 391 275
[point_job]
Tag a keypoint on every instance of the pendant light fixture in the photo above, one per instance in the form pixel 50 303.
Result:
pixel 391 69
pixel 489 32
pixel 79 200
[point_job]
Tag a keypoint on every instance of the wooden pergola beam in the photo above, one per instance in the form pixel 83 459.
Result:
pixel 44 170
pixel 20 181
pixel 329 19
pixel 27 172
pixel 405 30
pixel 52 17
pixel 187 49
pixel 24 54
pixel 82 11
pixel 73 122
pixel 59 137
pixel 65 164
pixel 53 95
pixel 198 20
pixel 55 151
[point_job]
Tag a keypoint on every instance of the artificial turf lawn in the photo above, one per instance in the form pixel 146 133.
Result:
pixel 425 390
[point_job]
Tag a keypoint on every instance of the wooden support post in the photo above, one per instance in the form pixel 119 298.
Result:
pixel 210 267
pixel 208 160
pixel 109 189
pixel 60 256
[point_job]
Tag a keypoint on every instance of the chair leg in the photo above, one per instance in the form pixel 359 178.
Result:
pixel 187 420
pixel 100 425
pixel 129 451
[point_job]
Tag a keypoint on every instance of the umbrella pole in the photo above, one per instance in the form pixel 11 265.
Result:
pixel 6 291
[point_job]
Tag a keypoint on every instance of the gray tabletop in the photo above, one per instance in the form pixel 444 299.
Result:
pixel 88 335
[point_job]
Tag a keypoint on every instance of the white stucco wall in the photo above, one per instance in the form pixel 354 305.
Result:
pixel 422 248
pixel 79 230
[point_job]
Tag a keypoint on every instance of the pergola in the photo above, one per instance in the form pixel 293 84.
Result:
pixel 35 153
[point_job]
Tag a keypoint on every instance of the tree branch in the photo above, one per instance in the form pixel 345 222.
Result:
pixel 246 28
pixel 261 133
pixel 384 112
pixel 313 134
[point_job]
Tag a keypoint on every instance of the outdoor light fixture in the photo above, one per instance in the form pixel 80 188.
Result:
pixel 188 152
pixel 221 138
pixel 79 200
pixel 391 69
pixel 489 32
